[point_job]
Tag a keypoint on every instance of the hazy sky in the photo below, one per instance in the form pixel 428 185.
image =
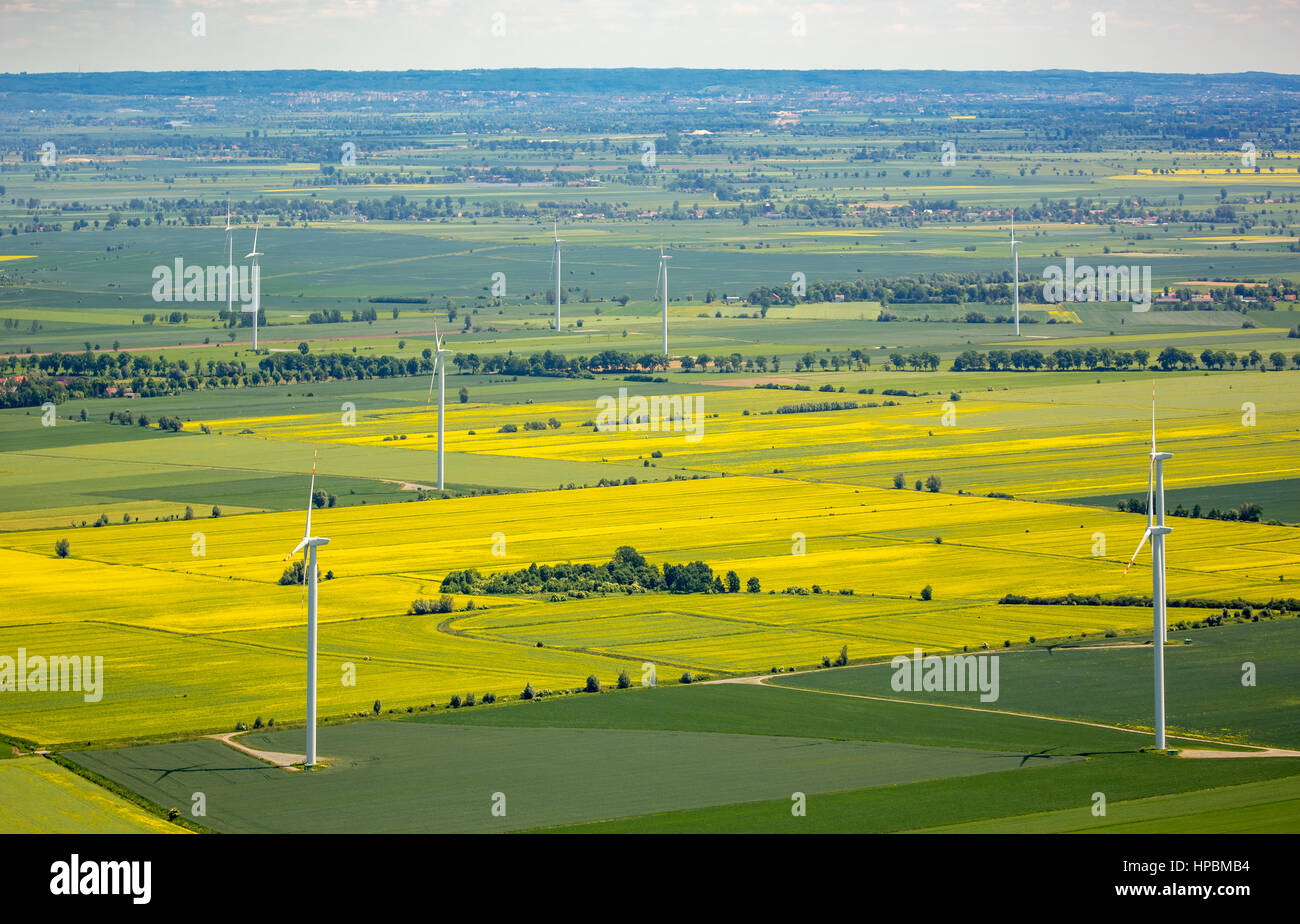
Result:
pixel 1154 35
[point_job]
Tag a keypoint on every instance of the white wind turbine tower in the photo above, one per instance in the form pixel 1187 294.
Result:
pixel 663 279
pixel 1156 530
pixel 309 543
pixel 1015 270
pixel 556 261
pixel 257 283
pixel 440 375
pixel 230 262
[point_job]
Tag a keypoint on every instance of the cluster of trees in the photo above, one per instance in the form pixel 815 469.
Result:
pixel 814 407
pixel 421 607
pixel 296 573
pixel 626 572
pixel 935 288
pixel 915 361
pixel 126 419
pixel 1247 513
pixel 855 359
pixel 1095 358
pixel 933 483
pixel 550 363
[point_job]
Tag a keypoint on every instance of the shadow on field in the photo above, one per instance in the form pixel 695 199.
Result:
pixel 163 773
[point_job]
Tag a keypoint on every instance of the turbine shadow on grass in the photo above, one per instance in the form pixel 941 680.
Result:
pixel 196 768
pixel 1039 754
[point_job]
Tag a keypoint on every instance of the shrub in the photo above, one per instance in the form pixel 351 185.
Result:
pixel 688 677
pixel 489 697
pixel 257 722
pixel 926 592
pixel 624 681
pixel 293 574
pixel 593 685
pixel 843 659
pixel 469 699
pixel 826 661
pixel 455 701
pixel 420 607
pixel 377 707
pixel 528 693
pixel 753 586
pixel 62 548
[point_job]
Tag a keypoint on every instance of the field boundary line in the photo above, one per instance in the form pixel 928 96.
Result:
pixel 1256 750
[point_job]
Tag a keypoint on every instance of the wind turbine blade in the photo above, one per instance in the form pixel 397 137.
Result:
pixel 433 378
pixel 1151 469
pixel 1153 416
pixel 311 493
pixel 1151 509
pixel 1145 536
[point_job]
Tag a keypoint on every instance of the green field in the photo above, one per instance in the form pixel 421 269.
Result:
pixel 876 459
pixel 405 777
pixel 40 797
pixel 685 759
pixel 1204 693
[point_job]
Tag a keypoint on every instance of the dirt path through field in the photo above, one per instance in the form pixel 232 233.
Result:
pixel 1254 751
pixel 285 761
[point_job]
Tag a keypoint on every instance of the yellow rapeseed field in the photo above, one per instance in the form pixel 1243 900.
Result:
pixel 198 642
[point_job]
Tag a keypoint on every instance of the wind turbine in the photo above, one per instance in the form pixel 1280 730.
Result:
pixel 230 261
pixel 440 375
pixel 257 283
pixel 1015 270
pixel 309 543
pixel 1156 530
pixel 663 275
pixel 556 261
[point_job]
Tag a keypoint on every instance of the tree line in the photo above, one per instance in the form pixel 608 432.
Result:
pixel 1095 358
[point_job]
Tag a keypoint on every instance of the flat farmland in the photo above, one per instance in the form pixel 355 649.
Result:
pixel 1106 682
pixel 1037 435
pixel 1271 807
pixel 42 797
pixel 179 626
pixel 410 777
